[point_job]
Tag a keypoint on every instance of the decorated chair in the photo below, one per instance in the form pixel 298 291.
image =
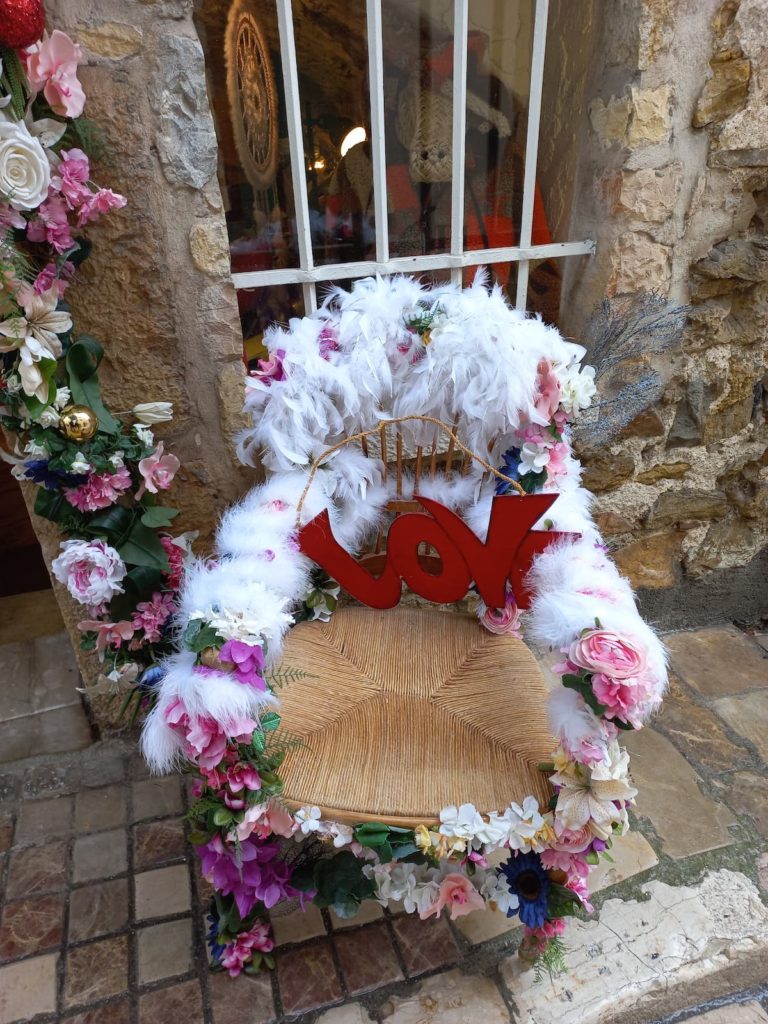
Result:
pixel 375 745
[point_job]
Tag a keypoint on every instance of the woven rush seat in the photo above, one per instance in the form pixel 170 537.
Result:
pixel 406 711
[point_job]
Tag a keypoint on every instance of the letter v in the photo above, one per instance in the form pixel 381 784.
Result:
pixel 317 542
pixel 491 563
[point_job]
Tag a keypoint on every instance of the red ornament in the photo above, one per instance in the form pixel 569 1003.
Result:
pixel 506 554
pixel 21 22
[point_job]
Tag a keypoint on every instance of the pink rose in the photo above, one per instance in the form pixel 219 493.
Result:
pixel 52 66
pixel 457 892
pixel 601 650
pixel 158 471
pixel 624 699
pixel 502 621
pixel 548 388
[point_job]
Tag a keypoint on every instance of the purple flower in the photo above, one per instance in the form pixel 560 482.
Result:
pixel 248 661
pixel 260 873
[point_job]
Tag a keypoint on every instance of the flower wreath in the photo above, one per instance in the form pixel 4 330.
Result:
pixel 392 349
pixel 98 477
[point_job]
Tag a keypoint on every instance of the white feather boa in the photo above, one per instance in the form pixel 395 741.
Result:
pixel 480 372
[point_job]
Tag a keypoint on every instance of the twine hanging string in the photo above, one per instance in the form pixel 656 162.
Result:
pixel 388 423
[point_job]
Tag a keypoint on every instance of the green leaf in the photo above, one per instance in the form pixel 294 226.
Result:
pixel 222 816
pixel 143 547
pixel 54 506
pixel 82 362
pixel 34 406
pixel 198 635
pixel 584 687
pixel 258 741
pixel 270 721
pixel 113 524
pixel 592 857
pixel 157 516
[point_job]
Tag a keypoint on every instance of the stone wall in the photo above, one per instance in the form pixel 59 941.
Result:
pixel 157 290
pixel 673 185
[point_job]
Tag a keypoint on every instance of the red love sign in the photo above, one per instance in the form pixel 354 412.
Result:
pixel 506 554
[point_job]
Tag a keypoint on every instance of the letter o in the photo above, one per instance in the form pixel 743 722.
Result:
pixel 405 535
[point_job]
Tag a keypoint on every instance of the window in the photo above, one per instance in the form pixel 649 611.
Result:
pixel 382 136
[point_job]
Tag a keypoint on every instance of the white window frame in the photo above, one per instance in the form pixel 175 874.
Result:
pixel 308 275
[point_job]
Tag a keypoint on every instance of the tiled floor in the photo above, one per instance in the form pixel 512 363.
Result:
pixel 103 911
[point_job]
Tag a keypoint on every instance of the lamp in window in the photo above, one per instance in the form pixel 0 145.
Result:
pixel 352 138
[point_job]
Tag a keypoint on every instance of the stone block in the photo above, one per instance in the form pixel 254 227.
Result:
pixel 352 1013
pixel 424 945
pixel 663 471
pixel 451 998
pixel 717 662
pixel 740 259
pixel 96 971
pixel 650 115
pixel 647 424
pixel 162 892
pixel 606 472
pixel 209 246
pixel 650 194
pixel 298 926
pixel 165 950
pixel 111 39
pixel 698 733
pixel 686 504
pixel 28 988
pixel 176 1002
pixel 631 854
pixel 735 1013
pixel 243 1000
pixel 610 524
pixel 745 794
pixel 748 716
pixel 652 560
pixel 100 856
pixel 726 545
pixel 642 959
pixel 686 821
pixel 98 909
pixel 367 959
pixel 609 120
pixel 638 263
pixel 725 91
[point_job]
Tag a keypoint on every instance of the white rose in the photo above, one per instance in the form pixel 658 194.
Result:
pixel 153 412
pixel 63 397
pixel 90 570
pixel 79 465
pixel 24 170
pixel 48 418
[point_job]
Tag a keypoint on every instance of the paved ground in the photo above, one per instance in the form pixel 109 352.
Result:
pixel 103 909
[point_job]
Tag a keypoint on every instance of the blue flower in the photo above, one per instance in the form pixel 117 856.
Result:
pixel 529 881
pixel 151 677
pixel 217 950
pixel 38 472
pixel 510 466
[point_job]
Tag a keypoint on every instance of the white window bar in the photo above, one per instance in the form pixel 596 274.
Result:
pixel 460 34
pixel 412 264
pixel 378 139
pixel 296 144
pixel 532 143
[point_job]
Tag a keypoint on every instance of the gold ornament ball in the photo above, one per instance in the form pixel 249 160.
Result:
pixel 78 422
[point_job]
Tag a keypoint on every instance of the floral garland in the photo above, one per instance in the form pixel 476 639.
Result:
pixel 390 348
pixel 99 478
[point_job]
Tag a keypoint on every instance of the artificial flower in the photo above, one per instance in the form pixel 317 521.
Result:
pixel 237 954
pixel 533 457
pixel 93 206
pixel 99 491
pixel 205 739
pixel 456 892
pixel 595 796
pixel 92 571
pixel 35 336
pixel 148 413
pixel 263 820
pixel 25 173
pixel 496 892
pixel 501 621
pixel 108 634
pixel 71 177
pixel 241 624
pixel 51 66
pixel 308 819
pixel 460 822
pixel 158 471
pixel 247 661
pixel 548 391
pixel 79 465
pixel 525 824
pixel 144 434
pixel 51 224
pixel 602 650
pixel 577 388
pixel 270 370
pixel 39 472
pixel 152 615
pixel 251 871
pixel 528 880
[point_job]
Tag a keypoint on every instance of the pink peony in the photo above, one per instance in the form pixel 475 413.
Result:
pixel 97 203
pixel 504 620
pixel 152 615
pixel 72 176
pixel 601 650
pixel 206 740
pixel 52 66
pixel 108 634
pixel 51 225
pixel 158 471
pixel 623 698
pixel 99 490
pixel 548 391
pixel 457 892
pixel 92 571
pixel 238 953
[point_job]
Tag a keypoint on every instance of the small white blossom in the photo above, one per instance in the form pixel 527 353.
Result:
pixel 577 388
pixel 48 418
pixel 243 624
pixel 144 434
pixel 13 383
pixel 533 457
pixel 63 397
pixel 463 822
pixel 342 834
pixel 525 822
pixel 35 450
pixel 495 890
pixel 117 460
pixel 308 819
pixel 79 465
